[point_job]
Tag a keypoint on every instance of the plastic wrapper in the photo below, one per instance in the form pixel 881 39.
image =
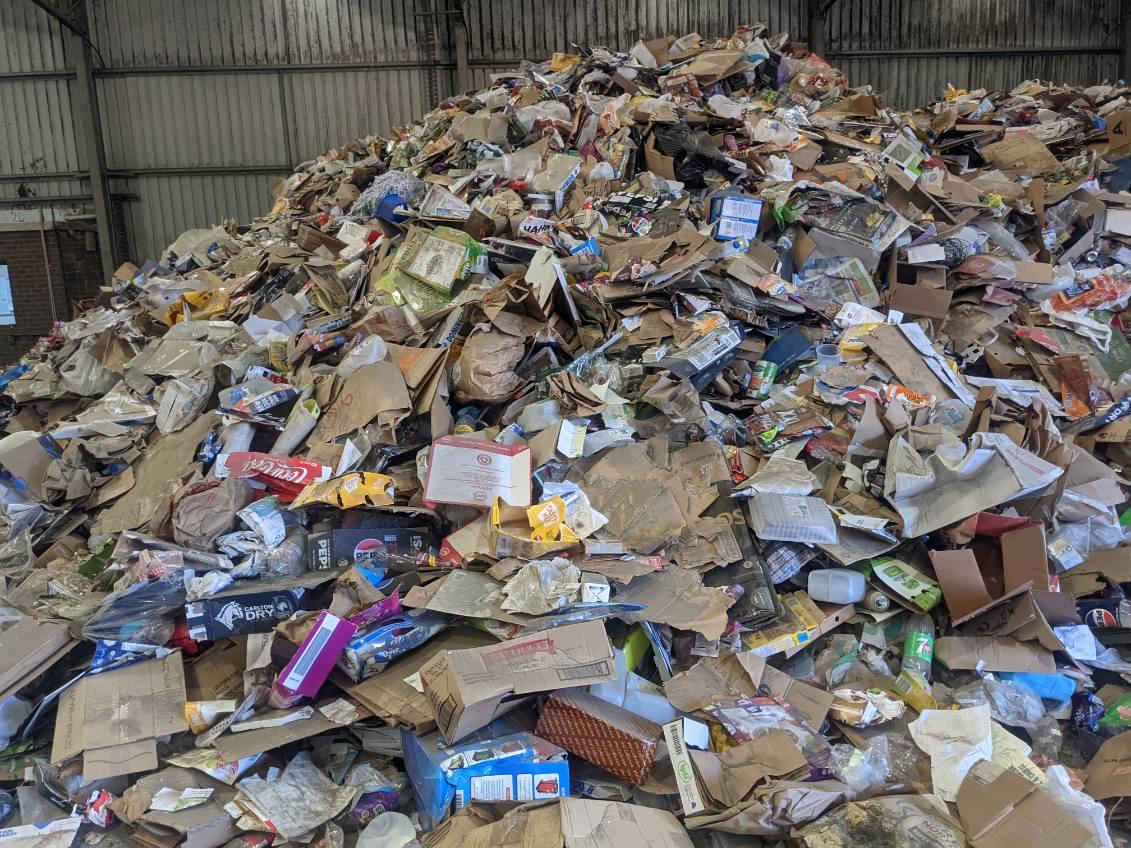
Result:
pixel 288 559
pixel 373 648
pixel 397 183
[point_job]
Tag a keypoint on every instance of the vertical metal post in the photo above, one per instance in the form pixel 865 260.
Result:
pixel 88 122
pixel 459 36
pixel 47 268
pixel 818 25
pixel 1125 39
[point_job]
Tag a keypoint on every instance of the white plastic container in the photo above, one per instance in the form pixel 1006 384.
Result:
pixel 836 586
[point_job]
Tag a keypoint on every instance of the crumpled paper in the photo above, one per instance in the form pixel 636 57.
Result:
pixel 542 586
pixel 954 740
pixel 300 799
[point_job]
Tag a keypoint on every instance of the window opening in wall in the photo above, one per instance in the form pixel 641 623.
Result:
pixel 7 308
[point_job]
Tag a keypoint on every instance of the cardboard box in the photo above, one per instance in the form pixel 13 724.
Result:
pixel 255 608
pixel 402 548
pixel 619 741
pixel 513 767
pixel 470 688
pixel 802 622
pixel 472 472
pixel 735 216
pixel 314 659
pixel 115 718
pixel 557 177
pixel 921 300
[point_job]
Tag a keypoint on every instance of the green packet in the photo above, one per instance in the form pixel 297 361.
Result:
pixel 907 582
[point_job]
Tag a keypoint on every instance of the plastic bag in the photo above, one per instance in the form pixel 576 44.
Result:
pixel 13 713
pixel 1083 809
pixel 1010 702
pixel 143 613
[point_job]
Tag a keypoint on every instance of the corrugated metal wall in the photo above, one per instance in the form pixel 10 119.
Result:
pixel 912 49
pixel 38 153
pixel 204 103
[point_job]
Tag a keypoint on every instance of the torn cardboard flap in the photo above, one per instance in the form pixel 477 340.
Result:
pixel 990 653
pixel 744 673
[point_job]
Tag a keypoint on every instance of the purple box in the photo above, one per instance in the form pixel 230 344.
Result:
pixel 315 657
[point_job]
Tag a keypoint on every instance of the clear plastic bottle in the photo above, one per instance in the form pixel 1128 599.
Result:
pixel 919 645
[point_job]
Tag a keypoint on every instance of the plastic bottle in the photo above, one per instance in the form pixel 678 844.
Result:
pixel 953 415
pixel 466 419
pixel 919 645
pixel 836 585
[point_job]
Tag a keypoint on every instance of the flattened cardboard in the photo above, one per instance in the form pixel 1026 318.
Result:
pixel 207 825
pixel 1109 772
pixel 1001 809
pixel 375 392
pixel 990 653
pixel 611 824
pixel 743 674
pixel 469 688
pixel 963 587
pixel 728 777
pixel 900 356
pixel 28 648
pixel 114 719
pixel 236 746
pixel 1022 151
pixel 677 596
pixel 217 674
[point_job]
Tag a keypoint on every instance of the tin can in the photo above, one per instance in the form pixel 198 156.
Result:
pixel 877 601
pixel 762 378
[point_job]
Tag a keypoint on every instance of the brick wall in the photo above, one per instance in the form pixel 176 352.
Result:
pixel 76 273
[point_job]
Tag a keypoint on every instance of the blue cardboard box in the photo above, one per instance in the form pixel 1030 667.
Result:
pixel 512 767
